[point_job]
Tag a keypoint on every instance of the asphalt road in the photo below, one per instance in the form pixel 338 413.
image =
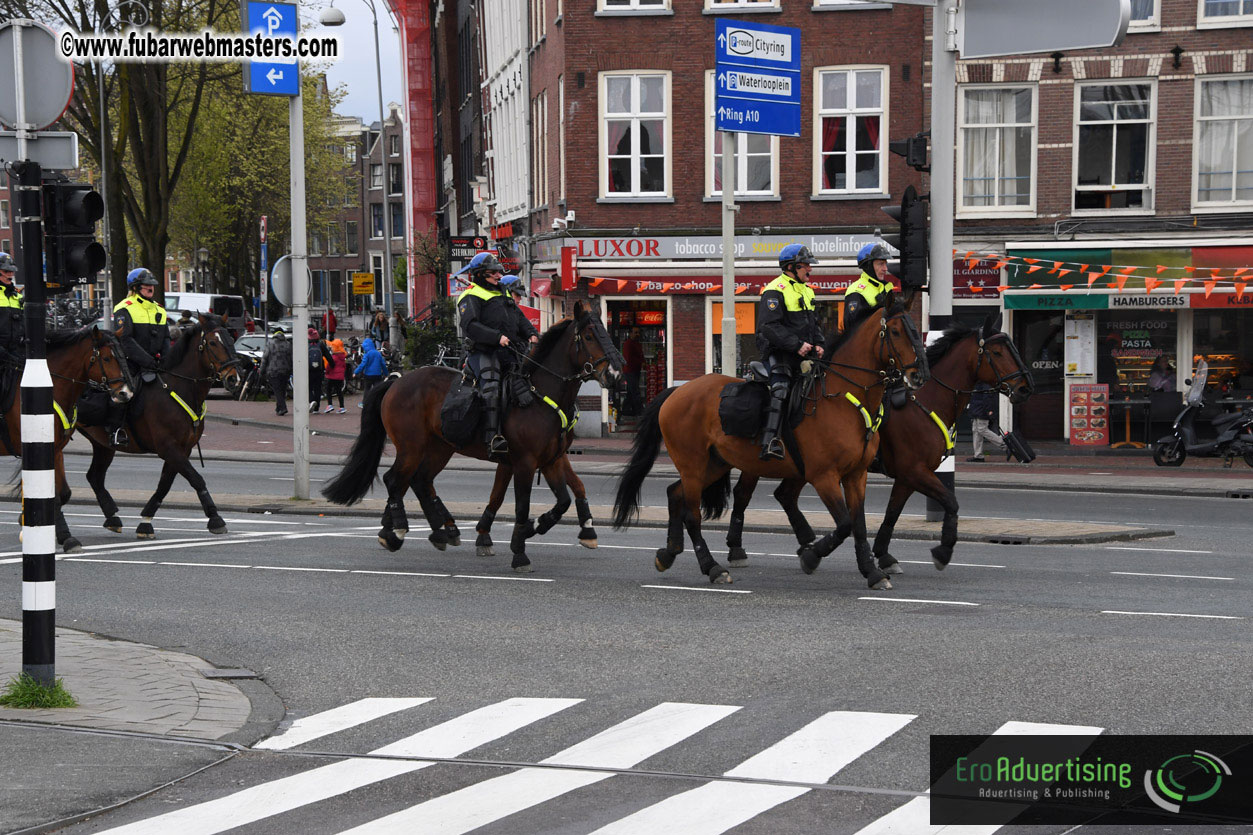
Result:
pixel 589 661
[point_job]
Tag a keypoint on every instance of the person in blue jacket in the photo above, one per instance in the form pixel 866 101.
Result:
pixel 372 367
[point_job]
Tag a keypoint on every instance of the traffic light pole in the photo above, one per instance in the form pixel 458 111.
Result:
pixel 300 300
pixel 729 345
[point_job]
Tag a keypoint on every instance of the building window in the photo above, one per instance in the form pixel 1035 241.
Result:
pixel 848 153
pixel 1114 147
pixel 1224 142
pixel 398 220
pixel 756 156
pixel 1226 12
pixel 4 215
pixel 350 240
pixel 376 176
pixel 1144 15
pixel 6 245
pixel 376 220
pixel 561 133
pixel 336 280
pixel 834 4
pixel 393 144
pixel 636 130
pixel 539 141
pixel 395 178
pixel 539 21
pixel 996 136
pixel 719 5
pixel 616 5
pixel 350 152
pixel 334 245
pixel 315 243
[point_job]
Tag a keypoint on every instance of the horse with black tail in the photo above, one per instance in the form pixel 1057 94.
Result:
pixel 407 410
pixel 835 443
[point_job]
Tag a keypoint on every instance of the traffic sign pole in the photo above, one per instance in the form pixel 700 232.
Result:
pixel 300 301
pixel 729 346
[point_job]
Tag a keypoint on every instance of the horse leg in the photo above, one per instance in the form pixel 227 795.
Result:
pixel 674 530
pixel 743 494
pixel 145 530
pixel 101 458
pixel 587 534
pixel 787 495
pixel 855 497
pixel 394 524
pixel 216 525
pixel 523 528
pixel 451 531
pixel 432 510
pixel 555 476
pixel 483 542
pixel 692 488
pixel 901 491
pixel 828 487
pixel 69 544
pixel 934 488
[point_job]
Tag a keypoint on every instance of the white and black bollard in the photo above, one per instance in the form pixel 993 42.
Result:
pixel 947 471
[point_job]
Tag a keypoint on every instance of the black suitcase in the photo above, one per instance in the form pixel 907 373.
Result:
pixel 1018 447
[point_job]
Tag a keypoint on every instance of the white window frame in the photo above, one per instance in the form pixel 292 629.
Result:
pixel 4 214
pixel 741 168
pixel 741 5
pixel 539 22
pixel 382 223
pixel 634 6
pixel 376 167
pixel 356 245
pixel 1150 185
pixel 539 139
pixel 1153 23
pixel 884 114
pixel 840 5
pixel 393 145
pixel 561 134
pixel 603 136
pixel 1028 210
pixel 1210 206
pixel 350 152
pixel 1204 21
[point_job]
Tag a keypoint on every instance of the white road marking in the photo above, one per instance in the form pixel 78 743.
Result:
pixel 1180 576
pixel 1155 550
pixel 300 568
pixel 960 564
pixel 206 564
pixel 494 577
pixel 918 600
pixel 1170 615
pixel 914 817
pixel 622 746
pixel 449 739
pixel 308 728
pixel 696 588
pixel 398 573
pixel 814 754
pixel 117 562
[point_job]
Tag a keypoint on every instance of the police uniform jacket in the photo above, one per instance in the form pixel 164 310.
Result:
pixel 521 324
pixel 143 329
pixel 486 313
pixel 785 317
pixel 12 327
pixel 869 291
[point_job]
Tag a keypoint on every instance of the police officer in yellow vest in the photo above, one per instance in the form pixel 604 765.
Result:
pixel 488 324
pixel 144 331
pixel 867 292
pixel 12 326
pixel 787 332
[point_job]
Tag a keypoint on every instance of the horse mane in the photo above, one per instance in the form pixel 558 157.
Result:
pixel 61 338
pixel 953 334
pixel 548 341
pixel 836 340
pixel 180 346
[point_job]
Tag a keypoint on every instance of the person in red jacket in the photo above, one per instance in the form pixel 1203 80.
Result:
pixel 633 366
pixel 329 323
pixel 335 372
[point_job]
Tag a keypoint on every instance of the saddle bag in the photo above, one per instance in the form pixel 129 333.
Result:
pixel 93 408
pixel 1018 447
pixel 742 408
pixel 461 414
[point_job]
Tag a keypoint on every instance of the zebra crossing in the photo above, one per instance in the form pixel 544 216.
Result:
pixel 790 768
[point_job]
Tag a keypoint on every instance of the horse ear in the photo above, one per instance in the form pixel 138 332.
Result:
pixel 580 309
pixel 996 323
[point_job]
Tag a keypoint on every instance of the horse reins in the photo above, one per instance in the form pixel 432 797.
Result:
pixel 884 377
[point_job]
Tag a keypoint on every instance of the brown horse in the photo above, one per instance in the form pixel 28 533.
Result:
pixel 170 423
pixel 913 442
pixel 835 443
pixel 77 359
pixel 407 410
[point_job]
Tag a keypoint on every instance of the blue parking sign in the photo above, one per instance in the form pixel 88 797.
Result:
pixel 273 20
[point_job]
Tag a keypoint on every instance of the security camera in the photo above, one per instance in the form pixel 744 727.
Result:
pixel 570 216
pixel 557 224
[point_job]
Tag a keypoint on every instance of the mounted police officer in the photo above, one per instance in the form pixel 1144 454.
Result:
pixel 864 294
pixel 787 332
pixel 12 327
pixel 488 323
pixel 143 329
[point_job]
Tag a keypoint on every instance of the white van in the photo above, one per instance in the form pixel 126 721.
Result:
pixel 230 308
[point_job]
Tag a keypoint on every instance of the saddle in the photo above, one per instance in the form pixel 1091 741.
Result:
pixel 742 405
pixel 462 412
pixel 95 404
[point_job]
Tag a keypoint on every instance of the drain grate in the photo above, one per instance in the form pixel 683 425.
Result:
pixel 1008 540
pixel 1240 494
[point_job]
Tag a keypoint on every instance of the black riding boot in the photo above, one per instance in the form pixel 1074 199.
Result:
pixel 496 443
pixel 115 425
pixel 771 446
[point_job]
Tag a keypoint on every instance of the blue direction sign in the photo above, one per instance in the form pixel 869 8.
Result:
pixel 757 79
pixel 273 20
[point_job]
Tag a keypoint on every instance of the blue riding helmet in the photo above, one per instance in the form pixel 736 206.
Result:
pixel 7 264
pixel 481 261
pixel 871 252
pixel 509 280
pixel 795 254
pixel 140 276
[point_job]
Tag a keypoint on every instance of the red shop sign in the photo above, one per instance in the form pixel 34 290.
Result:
pixel 1089 414
pixel 650 317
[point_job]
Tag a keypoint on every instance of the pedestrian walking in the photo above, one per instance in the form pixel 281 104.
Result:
pixel 329 323
pixel 317 354
pixel 276 368
pixel 372 367
pixel 378 329
pixel 336 370
pixel 983 420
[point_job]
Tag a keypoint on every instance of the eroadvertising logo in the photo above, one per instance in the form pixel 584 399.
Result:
pixel 1185 778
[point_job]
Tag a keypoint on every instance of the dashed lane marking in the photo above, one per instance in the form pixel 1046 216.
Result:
pixel 696 588
pixel 1155 550
pixel 1170 615
pixel 1179 576
pixel 920 600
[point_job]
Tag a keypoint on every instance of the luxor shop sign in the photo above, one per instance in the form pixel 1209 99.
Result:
pixel 759 247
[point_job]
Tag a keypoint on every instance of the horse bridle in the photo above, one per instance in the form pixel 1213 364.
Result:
pixel 218 367
pixel 1020 368
pixel 590 367
pixel 895 373
pixel 106 382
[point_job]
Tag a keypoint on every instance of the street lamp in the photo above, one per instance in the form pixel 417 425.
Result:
pixel 203 255
pixel 334 17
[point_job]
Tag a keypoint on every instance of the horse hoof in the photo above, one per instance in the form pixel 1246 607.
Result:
pixel 145 531
pixel 941 555
pixel 809 559
pixel 737 555
pixel 883 585
pixel 389 540
pixel 400 532
pixel 544 525
pixel 454 539
pixel 113 524
pixel 72 546
pixel 217 525
pixel 438 539
pixel 889 565
pixel 587 537
pixel 719 576
pixel 665 558
pixel 521 565
pixel 484 551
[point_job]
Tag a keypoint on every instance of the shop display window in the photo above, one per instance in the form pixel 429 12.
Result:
pixel 1039 337
pixel 1128 345
pixel 649 317
pixel 1224 339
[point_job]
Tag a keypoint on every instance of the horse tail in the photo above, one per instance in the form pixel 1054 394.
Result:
pixel 361 468
pixel 713 499
pixel 643 453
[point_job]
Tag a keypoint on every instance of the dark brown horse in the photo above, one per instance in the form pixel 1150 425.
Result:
pixel 913 441
pixel 835 443
pixel 169 423
pixel 407 410
pixel 77 359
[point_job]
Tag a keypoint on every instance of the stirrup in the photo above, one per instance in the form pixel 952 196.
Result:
pixel 119 438
pixel 498 445
pixel 772 450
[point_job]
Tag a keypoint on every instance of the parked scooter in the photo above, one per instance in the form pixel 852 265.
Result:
pixel 1225 435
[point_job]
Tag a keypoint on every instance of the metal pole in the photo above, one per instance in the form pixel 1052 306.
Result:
pixel 300 301
pixel 104 181
pixel 943 141
pixel 728 254
pixel 388 282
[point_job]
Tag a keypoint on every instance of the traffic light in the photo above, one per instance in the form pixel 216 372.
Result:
pixel 72 254
pixel 914 150
pixel 912 241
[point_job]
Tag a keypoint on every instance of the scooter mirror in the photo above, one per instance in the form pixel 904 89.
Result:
pixel 1188 382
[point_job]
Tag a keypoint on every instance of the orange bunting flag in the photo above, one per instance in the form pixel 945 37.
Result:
pixel 1083 268
pixel 1209 287
pixel 974 289
pixel 1127 270
pixel 622 284
pixel 1065 287
pixel 1092 277
pixel 1120 282
pixel 970 254
pixel 1106 268
pixel 1161 269
pixel 1240 285
pixel 665 288
pixel 1190 268
pixel 1000 265
pixel 1179 285
pixel 1214 271
pixel 1150 284
pixel 596 282
pixel 1057 265
pixel 1001 288
pixel 1063 272
pixel 970 264
pixel 1031 260
pixel 1241 271
pixel 1032 287
pixel 741 288
pixel 1033 269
